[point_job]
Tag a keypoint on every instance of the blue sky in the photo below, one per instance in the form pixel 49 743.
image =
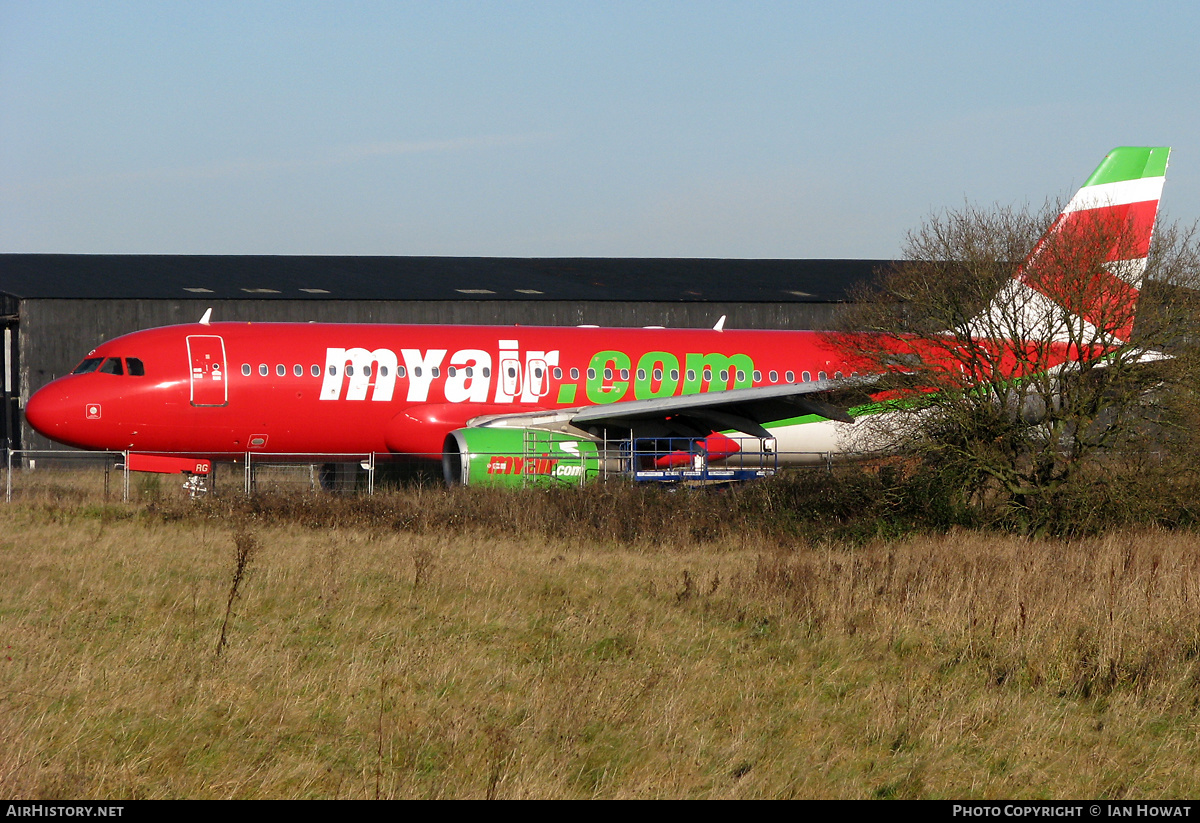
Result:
pixel 689 129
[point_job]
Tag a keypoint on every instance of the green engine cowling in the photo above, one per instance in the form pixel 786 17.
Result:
pixel 518 457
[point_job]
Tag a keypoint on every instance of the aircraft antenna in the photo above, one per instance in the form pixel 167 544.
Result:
pixel 204 321
pixel 720 324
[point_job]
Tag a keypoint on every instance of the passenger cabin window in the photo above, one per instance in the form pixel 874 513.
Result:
pixel 88 366
pixel 298 370
pixel 281 370
pixel 316 370
pixel 112 366
pixel 262 369
pixel 246 369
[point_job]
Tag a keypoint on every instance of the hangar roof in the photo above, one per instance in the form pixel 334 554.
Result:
pixel 244 277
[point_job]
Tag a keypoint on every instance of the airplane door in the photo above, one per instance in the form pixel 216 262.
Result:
pixel 510 377
pixel 210 384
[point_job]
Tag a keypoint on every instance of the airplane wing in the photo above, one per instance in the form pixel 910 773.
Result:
pixel 744 410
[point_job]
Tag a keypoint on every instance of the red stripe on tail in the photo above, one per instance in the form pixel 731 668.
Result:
pixel 1067 264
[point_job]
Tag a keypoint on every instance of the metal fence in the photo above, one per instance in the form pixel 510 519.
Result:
pixel 29 457
pixel 248 467
pixel 342 471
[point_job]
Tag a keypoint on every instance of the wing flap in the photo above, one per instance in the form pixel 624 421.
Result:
pixel 744 410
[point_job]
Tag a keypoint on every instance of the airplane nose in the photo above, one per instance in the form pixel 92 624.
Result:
pixel 41 412
pixel 48 413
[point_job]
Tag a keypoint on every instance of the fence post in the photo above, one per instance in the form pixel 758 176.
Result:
pixel 8 475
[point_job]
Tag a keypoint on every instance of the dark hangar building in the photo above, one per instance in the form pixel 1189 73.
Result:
pixel 56 307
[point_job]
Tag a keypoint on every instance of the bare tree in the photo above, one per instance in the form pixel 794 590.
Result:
pixel 1023 387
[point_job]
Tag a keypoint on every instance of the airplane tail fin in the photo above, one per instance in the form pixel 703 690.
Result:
pixel 1080 283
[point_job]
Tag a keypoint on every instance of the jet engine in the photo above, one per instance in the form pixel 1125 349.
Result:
pixel 512 457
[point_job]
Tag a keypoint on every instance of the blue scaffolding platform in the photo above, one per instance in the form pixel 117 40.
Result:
pixel 693 461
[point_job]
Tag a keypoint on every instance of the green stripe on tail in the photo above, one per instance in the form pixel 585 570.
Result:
pixel 1131 163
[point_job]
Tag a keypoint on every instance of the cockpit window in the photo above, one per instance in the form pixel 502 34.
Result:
pixel 88 365
pixel 135 367
pixel 112 366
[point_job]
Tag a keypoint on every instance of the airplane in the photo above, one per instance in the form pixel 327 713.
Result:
pixel 507 405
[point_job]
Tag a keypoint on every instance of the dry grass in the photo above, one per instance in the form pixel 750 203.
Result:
pixel 427 644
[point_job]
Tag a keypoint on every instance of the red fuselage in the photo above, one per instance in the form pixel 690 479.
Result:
pixel 226 389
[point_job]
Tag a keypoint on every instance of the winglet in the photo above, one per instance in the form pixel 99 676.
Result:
pixel 720 324
pixel 204 321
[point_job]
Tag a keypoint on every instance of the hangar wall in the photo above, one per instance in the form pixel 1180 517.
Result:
pixel 10 389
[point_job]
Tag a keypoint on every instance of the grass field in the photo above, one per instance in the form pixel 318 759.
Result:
pixel 612 643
